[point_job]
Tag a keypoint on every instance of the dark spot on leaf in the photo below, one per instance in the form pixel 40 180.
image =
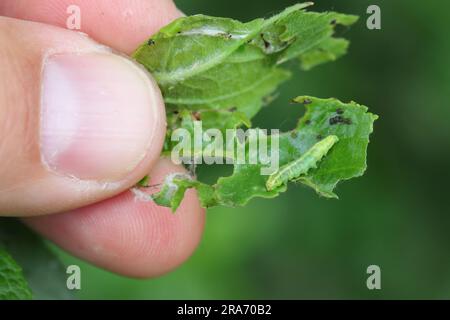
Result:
pixel 307 101
pixel 176 112
pixel 232 109
pixel 308 122
pixel 336 120
pixel 333 22
pixel 294 134
pixel 340 111
pixel 340 120
pixel 151 42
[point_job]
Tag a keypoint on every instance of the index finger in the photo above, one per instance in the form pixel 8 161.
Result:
pixel 121 24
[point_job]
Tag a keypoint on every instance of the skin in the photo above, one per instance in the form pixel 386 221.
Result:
pixel 106 227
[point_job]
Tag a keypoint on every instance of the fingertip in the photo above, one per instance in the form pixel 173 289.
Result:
pixel 129 236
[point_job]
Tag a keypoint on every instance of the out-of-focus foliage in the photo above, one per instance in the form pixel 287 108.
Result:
pixel 396 216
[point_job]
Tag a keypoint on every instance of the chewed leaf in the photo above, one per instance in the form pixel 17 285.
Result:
pixel 329 145
pixel 329 50
pixel 350 122
pixel 143 182
pixel 353 125
pixel 301 166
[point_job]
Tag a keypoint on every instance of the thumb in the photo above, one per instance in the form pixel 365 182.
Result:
pixel 78 123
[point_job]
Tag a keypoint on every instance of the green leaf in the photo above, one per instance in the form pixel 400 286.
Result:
pixel 329 145
pixel 144 182
pixel 13 285
pixel 208 64
pixel 42 269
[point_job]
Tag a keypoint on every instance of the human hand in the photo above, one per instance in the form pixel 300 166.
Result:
pixel 80 125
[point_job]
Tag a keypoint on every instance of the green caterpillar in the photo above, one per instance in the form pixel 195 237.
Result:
pixel 302 165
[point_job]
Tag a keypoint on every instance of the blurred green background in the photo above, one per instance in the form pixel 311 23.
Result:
pixel 397 216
